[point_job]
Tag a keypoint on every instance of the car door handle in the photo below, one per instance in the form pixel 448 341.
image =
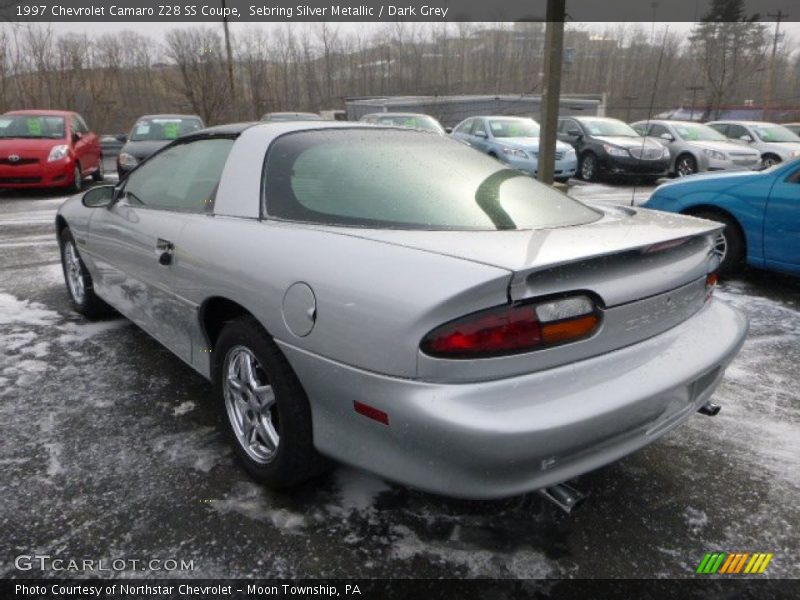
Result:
pixel 164 250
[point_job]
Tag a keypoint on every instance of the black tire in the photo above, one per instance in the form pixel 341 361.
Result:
pixel 685 165
pixel 734 250
pixel 77 179
pixel 88 304
pixel 589 167
pixel 99 174
pixel 769 160
pixel 295 460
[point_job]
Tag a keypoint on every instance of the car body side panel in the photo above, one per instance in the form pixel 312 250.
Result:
pixel 782 224
pixel 371 312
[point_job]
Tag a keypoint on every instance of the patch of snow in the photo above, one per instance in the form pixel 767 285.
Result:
pixel 357 490
pixel 54 466
pixel 696 519
pixel 80 332
pixel 524 563
pixel 13 310
pixel 252 501
pixel 184 408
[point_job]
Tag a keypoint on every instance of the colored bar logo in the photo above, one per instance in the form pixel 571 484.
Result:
pixel 727 563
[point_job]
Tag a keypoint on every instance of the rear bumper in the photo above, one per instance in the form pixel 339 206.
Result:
pixel 509 436
pixel 39 175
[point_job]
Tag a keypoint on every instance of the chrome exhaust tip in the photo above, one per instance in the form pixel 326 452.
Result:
pixel 709 409
pixel 565 497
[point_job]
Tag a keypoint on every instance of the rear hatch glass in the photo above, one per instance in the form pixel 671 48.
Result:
pixel 398 179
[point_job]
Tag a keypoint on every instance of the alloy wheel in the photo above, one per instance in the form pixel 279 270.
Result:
pixel 251 405
pixel 74 273
pixel 685 167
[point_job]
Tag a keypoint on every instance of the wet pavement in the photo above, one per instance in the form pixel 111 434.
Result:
pixel 110 449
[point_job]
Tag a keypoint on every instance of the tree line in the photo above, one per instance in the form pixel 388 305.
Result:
pixel 113 78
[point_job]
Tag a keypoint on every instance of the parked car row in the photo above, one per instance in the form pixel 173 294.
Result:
pixel 596 147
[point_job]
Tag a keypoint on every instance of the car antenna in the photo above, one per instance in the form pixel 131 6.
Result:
pixel 652 102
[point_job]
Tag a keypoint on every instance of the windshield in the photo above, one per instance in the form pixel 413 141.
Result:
pixel 396 179
pixel 422 122
pixel 775 133
pixel 609 127
pixel 514 128
pixel 693 132
pixel 34 127
pixel 164 128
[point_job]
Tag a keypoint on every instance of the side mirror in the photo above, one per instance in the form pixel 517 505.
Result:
pixel 99 197
pixel 667 136
pixel 481 134
pixel 746 138
pixel 448 130
pixel 574 133
pixel 121 138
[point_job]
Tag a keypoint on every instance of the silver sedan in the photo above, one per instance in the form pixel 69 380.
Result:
pixel 405 304
pixel 694 147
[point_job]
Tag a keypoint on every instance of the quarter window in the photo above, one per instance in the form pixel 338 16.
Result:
pixel 181 178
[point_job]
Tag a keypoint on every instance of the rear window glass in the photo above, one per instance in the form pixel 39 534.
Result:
pixel 405 180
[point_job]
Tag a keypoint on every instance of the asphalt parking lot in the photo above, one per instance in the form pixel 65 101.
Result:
pixel 110 450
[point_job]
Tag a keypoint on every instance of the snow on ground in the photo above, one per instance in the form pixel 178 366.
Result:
pixel 110 448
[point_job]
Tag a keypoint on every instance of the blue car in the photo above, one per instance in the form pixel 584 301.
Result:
pixel 514 141
pixel 760 210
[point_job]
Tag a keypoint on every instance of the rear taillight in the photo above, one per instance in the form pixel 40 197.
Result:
pixel 711 284
pixel 514 329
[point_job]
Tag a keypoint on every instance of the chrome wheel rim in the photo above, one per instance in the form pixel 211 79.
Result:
pixel 78 181
pixel 74 273
pixel 685 167
pixel 587 168
pixel 250 404
pixel 720 247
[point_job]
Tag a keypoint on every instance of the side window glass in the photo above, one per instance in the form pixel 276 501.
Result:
pixel 200 164
pixel 737 131
pixel 657 130
pixel 723 129
pixel 479 126
pixel 465 127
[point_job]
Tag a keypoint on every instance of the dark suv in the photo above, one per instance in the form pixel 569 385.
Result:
pixel 612 147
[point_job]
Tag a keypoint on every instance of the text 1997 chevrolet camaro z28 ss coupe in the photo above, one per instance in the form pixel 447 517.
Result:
pixel 405 304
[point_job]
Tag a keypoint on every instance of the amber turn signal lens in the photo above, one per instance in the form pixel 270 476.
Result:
pixel 572 329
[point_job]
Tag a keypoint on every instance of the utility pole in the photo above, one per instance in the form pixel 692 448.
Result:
pixel 553 55
pixel 229 53
pixel 628 100
pixel 779 16
pixel 694 89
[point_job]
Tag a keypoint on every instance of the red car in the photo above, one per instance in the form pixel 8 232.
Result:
pixel 47 148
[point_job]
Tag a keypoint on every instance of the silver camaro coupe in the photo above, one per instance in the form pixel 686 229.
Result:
pixel 405 304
